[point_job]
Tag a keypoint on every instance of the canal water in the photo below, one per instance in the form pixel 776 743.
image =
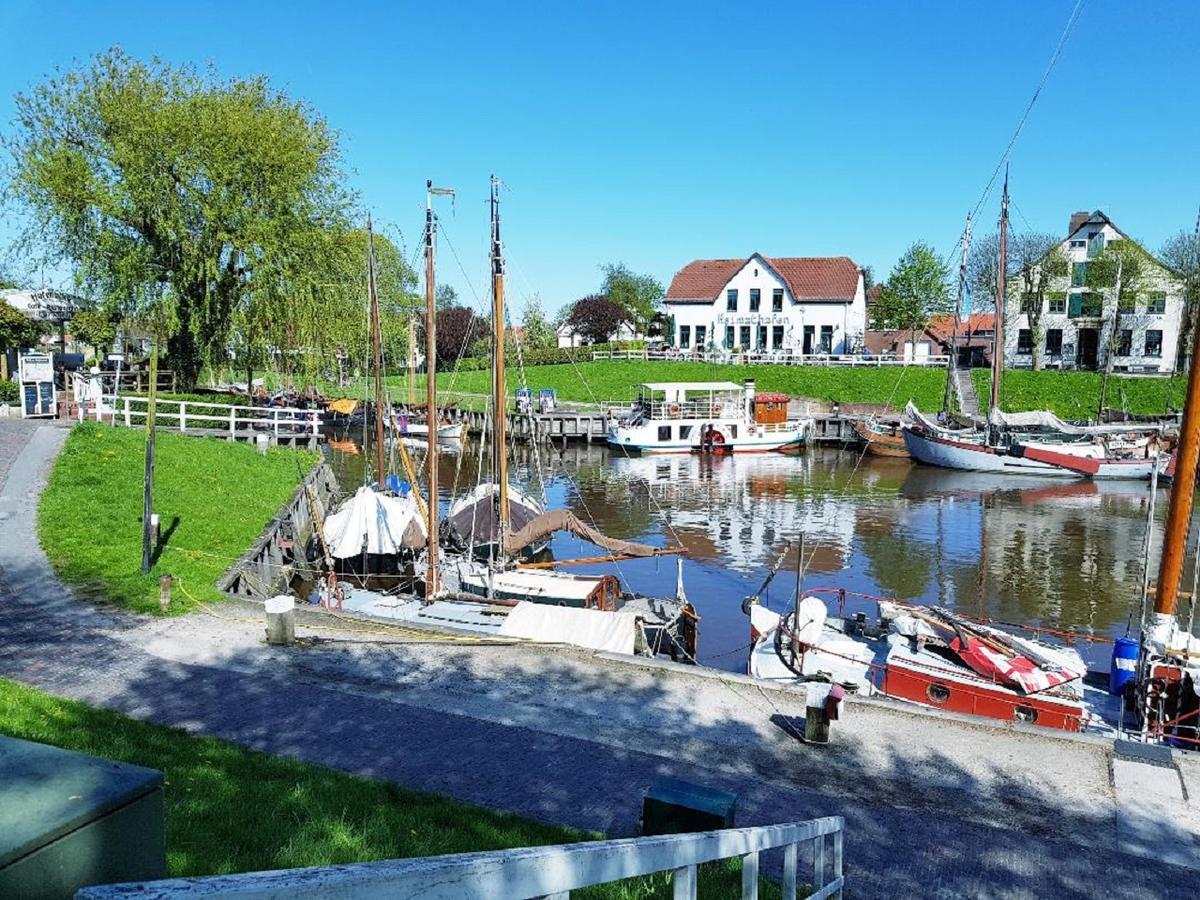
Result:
pixel 1058 554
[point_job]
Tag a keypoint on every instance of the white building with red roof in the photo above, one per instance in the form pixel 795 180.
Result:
pixel 762 304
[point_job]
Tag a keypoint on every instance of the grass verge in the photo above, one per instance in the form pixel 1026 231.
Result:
pixel 1076 395
pixel 213 499
pixel 233 810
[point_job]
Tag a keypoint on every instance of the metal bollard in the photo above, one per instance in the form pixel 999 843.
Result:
pixel 281 620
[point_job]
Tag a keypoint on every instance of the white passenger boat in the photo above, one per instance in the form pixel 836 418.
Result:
pixel 402 425
pixel 713 416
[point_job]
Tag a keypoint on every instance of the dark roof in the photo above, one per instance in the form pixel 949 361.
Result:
pixel 807 277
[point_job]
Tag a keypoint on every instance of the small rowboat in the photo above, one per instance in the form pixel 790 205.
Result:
pixel 882 440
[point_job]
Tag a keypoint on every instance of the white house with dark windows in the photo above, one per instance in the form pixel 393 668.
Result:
pixel 761 304
pixel 1077 323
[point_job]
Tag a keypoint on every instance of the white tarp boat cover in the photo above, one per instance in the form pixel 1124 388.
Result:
pixel 541 527
pixel 594 629
pixel 1049 422
pixel 380 523
pixel 912 414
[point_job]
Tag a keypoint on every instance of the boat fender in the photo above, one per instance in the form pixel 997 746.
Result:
pixel 747 602
pixel 833 701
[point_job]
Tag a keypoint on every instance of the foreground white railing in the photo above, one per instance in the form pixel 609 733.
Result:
pixel 549 872
pixel 131 411
pixel 775 358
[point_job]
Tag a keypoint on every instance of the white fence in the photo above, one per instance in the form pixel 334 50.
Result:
pixel 547 872
pixel 185 414
pixel 777 358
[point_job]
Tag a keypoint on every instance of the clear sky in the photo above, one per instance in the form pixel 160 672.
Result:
pixel 655 133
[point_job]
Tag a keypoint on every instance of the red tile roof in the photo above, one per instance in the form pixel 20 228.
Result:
pixel 807 277
pixel 942 327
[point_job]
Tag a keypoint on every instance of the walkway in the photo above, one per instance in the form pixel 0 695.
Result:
pixel 968 403
pixel 935 807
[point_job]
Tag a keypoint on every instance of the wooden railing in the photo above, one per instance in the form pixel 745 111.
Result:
pixel 775 357
pixel 548 872
pixel 185 414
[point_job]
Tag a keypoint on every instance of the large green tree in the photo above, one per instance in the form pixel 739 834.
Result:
pixel 916 290
pixel 539 331
pixel 1123 271
pixel 1182 253
pixel 638 295
pixel 175 189
pixel 96 328
pixel 17 332
pixel 1040 261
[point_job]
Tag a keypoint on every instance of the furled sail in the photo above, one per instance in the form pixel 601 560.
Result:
pixel 541 527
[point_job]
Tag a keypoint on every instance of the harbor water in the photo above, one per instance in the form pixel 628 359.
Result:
pixel 1059 554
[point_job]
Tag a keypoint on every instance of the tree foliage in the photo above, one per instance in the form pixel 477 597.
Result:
pixel 173 192
pixel 638 295
pixel 595 317
pixel 1182 253
pixel 17 330
pixel 445 297
pixel 458 329
pixel 539 332
pixel 96 328
pixel 916 291
pixel 1122 270
pixel 1040 261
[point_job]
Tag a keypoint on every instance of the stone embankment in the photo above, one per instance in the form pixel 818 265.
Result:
pixel 935 806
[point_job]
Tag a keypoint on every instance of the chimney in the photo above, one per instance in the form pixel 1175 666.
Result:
pixel 1078 219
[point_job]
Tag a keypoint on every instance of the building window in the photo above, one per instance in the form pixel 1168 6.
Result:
pixel 701 334
pixel 1029 304
pixel 1058 302
pixel 1153 342
pixel 762 337
pixel 1078 244
pixel 1054 341
pixel 728 337
pixel 1078 274
pixel 755 299
pixel 744 337
pixel 1125 342
pixel 1156 303
pixel 777 337
pixel 731 300
pixel 826 338
pixel 1024 342
pixel 685 335
pixel 1095 244
pixel 777 300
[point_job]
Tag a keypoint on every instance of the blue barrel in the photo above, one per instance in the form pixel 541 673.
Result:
pixel 1124 664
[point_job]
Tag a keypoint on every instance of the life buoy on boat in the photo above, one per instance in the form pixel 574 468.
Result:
pixel 673 410
pixel 716 441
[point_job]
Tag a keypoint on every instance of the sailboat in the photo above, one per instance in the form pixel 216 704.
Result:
pixel 1033 443
pixel 378 529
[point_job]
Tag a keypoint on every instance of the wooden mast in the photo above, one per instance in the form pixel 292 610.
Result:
pixel 952 362
pixel 1183 490
pixel 431 413
pixel 412 362
pixel 499 402
pixel 377 346
pixel 1001 278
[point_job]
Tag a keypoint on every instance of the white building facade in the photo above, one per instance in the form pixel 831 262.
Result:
pixel 784 305
pixel 1077 323
pixel 569 337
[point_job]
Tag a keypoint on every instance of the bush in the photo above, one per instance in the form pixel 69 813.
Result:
pixel 10 392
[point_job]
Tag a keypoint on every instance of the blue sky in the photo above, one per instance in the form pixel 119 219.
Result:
pixel 657 133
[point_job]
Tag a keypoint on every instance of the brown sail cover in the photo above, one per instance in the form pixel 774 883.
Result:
pixel 547 523
pixel 478 523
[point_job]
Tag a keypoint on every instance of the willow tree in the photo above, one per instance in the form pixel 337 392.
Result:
pixel 201 194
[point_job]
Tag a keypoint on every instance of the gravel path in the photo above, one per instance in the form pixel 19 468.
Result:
pixel 934 806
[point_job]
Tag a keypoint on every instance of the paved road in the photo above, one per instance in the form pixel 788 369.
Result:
pixel 934 807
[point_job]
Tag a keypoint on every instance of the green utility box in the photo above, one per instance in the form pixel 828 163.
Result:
pixel 672 806
pixel 68 820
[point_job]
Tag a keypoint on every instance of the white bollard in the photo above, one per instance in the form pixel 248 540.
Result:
pixel 262 441
pixel 281 620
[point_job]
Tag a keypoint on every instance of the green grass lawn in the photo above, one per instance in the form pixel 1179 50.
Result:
pixel 1076 395
pixel 232 810
pixel 213 499
pixel 617 381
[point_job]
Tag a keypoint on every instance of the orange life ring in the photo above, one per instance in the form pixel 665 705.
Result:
pixel 716 441
pixel 673 410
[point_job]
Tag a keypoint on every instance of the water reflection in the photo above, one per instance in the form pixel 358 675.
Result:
pixel 1031 550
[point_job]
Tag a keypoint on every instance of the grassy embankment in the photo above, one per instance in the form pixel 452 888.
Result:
pixel 233 810
pixel 1076 395
pixel 213 499
pixel 616 381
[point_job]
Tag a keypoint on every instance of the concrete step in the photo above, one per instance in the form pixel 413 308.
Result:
pixel 968 402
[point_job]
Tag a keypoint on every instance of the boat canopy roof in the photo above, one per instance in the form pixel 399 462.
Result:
pixel 689 386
